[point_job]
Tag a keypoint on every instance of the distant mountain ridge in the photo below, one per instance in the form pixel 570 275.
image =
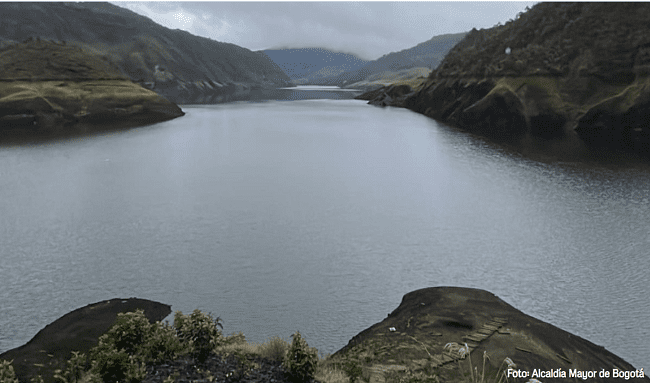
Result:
pixel 180 66
pixel 309 65
pixel 319 66
pixel 428 54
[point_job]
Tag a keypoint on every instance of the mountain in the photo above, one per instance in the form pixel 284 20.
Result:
pixel 574 73
pixel 311 65
pixel 182 67
pixel 424 55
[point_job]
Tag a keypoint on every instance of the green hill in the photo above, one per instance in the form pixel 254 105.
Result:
pixel 180 66
pixel 570 72
pixel 51 89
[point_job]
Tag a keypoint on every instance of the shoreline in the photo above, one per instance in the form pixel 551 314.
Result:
pixel 412 338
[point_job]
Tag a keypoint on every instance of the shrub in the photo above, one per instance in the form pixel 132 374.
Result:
pixel 124 349
pixel 353 369
pixel 274 349
pixel 129 332
pixel 301 360
pixel 163 345
pixel 7 374
pixel 75 368
pixel 244 366
pixel 199 331
pixel 112 365
pixel 238 338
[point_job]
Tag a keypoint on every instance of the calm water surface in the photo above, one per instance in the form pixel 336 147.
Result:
pixel 318 216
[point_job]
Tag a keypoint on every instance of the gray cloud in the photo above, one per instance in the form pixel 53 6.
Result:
pixel 368 29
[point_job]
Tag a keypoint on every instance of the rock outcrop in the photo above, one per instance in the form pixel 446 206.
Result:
pixel 51 89
pixel 413 337
pixel 78 330
pixel 550 74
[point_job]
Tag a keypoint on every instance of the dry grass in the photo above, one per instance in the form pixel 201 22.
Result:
pixel 273 349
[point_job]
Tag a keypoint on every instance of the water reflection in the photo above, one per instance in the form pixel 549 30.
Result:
pixel 318 216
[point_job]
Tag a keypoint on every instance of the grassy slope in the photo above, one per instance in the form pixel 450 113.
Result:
pixel 46 86
pixel 136 44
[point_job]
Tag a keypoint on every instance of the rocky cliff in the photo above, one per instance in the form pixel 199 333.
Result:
pixel 52 89
pixel 178 65
pixel 560 71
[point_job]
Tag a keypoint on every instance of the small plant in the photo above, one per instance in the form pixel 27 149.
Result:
pixel 7 374
pixel 474 374
pixel 301 360
pixel 275 349
pixel 129 332
pixel 353 369
pixel 409 376
pixel 238 338
pixel 200 331
pixel 75 368
pixel 244 366
pixel 112 365
pixel 124 349
pixel 162 344
pixel 171 378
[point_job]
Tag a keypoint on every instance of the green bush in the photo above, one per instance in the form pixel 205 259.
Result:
pixel 129 332
pixel 7 374
pixel 199 331
pixel 301 360
pixel 163 345
pixel 112 365
pixel 131 342
pixel 75 368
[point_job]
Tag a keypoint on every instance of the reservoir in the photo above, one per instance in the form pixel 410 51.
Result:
pixel 318 214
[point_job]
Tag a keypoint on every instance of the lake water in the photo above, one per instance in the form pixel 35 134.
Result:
pixel 318 215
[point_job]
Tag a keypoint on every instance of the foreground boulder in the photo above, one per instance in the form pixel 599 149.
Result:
pixel 78 330
pixel 413 338
pixel 51 89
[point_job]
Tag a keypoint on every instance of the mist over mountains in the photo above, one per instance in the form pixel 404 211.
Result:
pixel 306 65
pixel 319 66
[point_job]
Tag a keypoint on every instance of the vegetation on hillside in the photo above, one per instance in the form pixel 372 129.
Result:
pixel 134 350
pixel 42 60
pixel 143 50
pixel 558 39
pixel 424 55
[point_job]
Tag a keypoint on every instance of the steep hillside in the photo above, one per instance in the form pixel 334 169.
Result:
pixel 424 55
pixel 562 71
pixel 176 64
pixel 54 89
pixel 311 65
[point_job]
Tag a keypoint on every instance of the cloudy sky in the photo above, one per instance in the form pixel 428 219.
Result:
pixel 367 29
